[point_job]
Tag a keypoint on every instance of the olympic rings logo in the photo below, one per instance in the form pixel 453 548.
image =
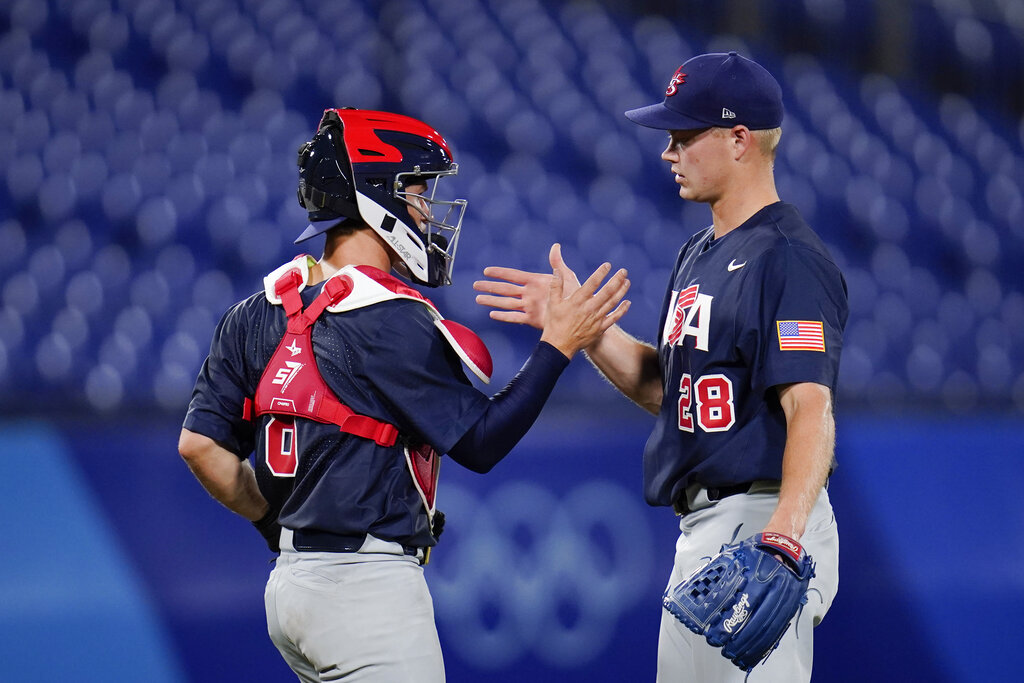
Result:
pixel 524 571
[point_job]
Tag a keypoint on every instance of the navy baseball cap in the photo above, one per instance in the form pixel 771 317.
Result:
pixel 721 89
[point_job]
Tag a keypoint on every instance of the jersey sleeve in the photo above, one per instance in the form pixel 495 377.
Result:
pixel 803 311
pixel 422 378
pixel 220 391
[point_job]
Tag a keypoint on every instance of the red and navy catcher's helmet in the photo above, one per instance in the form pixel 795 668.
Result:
pixel 358 167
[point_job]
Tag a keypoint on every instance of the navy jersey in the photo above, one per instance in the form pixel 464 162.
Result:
pixel 762 306
pixel 387 361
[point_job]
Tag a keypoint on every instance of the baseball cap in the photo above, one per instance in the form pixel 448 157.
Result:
pixel 716 89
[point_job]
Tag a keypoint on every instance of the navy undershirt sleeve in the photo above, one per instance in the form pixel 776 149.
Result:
pixel 511 412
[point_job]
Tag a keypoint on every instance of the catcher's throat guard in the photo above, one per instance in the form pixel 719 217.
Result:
pixel 744 599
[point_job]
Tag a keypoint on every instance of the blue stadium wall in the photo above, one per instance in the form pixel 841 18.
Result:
pixel 120 567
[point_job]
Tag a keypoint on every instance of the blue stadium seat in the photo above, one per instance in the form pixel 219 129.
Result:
pixel 152 152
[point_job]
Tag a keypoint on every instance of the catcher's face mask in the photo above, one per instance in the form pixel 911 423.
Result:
pixel 438 220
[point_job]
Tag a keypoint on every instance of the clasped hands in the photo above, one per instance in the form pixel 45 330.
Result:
pixel 571 316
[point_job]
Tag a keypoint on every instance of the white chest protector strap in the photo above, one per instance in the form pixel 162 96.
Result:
pixel 372 286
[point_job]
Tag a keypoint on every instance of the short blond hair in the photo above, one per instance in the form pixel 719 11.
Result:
pixel 768 141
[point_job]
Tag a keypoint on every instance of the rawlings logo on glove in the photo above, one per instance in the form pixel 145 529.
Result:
pixel 739 614
pixel 744 598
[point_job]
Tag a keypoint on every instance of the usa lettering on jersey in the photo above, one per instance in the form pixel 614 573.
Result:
pixel 689 314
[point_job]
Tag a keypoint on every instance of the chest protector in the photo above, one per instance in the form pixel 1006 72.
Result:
pixel 291 385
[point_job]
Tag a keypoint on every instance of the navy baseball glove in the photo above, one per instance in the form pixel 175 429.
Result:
pixel 744 598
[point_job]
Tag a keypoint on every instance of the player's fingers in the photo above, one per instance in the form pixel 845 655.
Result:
pixel 517 317
pixel 499 288
pixel 555 256
pixel 615 316
pixel 620 295
pixel 502 302
pixel 556 286
pixel 609 294
pixel 559 264
pixel 510 274
pixel 588 288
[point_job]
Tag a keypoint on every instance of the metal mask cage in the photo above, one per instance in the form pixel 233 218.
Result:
pixel 443 217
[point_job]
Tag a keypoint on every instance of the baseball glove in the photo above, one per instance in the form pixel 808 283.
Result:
pixel 744 598
pixel 270 530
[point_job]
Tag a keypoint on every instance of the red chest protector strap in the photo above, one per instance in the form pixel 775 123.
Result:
pixel 292 384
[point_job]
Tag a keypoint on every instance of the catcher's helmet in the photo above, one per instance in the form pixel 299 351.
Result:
pixel 358 167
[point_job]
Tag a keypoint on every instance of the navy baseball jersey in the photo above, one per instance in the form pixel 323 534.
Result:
pixel 762 306
pixel 388 361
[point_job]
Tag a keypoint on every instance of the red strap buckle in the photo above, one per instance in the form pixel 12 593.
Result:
pixel 293 278
pixel 383 433
pixel 338 288
pixel 287 289
pixel 387 434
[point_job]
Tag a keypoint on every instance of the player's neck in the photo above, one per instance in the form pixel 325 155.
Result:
pixel 736 205
pixel 359 248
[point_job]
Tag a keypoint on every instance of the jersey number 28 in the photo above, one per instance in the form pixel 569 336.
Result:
pixel 715 411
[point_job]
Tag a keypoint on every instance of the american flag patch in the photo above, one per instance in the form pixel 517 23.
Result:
pixel 801 335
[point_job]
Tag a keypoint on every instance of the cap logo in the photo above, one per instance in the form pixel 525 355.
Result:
pixel 678 78
pixel 726 114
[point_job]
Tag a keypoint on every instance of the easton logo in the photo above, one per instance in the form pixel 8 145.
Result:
pixel 285 375
pixel 678 78
pixel 739 614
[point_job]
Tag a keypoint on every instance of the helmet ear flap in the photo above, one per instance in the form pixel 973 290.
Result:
pixel 326 186
pixel 303 157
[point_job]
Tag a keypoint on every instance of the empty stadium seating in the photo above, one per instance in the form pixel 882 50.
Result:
pixel 148 156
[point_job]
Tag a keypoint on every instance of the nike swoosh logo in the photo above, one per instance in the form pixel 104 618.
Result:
pixel 735 266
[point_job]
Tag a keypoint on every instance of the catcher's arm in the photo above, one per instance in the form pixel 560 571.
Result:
pixel 228 479
pixel 810 442
pixel 521 297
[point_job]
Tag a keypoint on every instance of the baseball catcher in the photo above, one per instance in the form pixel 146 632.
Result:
pixel 347 385
pixel 744 598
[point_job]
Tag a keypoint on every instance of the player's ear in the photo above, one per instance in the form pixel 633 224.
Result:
pixel 741 139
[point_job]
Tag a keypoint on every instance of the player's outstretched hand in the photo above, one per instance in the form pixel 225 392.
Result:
pixel 577 315
pixel 519 296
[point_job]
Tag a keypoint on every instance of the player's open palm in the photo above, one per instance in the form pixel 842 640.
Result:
pixel 521 296
pixel 577 315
